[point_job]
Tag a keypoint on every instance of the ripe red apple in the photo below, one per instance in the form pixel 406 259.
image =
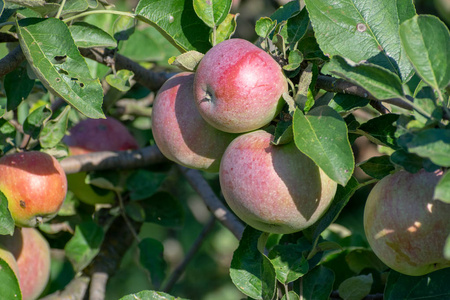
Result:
pixel 405 227
pixel 32 254
pixel 35 186
pixel 238 86
pixel 180 132
pixel 93 135
pixel 273 188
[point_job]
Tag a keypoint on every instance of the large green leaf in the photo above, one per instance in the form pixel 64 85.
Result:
pixel 442 190
pixel 426 40
pixel 6 220
pixel 150 295
pixel 9 285
pixel 363 30
pixel 87 35
pixel 55 59
pixel 55 129
pixel 17 86
pixel 378 81
pixel 151 257
pixel 433 144
pixel 212 12
pixel 322 136
pixel 177 21
pixel 318 283
pixel 355 288
pixel 289 261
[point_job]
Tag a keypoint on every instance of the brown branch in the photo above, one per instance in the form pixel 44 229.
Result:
pixel 11 61
pixel 7 38
pixel 219 210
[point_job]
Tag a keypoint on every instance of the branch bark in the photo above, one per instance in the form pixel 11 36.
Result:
pixel 11 61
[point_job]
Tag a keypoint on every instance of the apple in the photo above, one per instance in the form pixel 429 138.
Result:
pixel 9 258
pixel 35 186
pixel 404 226
pixel 238 87
pixel 272 188
pixel 93 135
pixel 179 130
pixel 32 255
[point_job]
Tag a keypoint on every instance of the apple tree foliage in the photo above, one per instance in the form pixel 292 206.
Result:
pixel 339 56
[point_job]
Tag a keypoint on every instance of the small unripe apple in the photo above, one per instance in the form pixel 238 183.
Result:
pixel 93 135
pixel 35 186
pixel 238 87
pixel 179 130
pixel 32 254
pixel 405 227
pixel 272 188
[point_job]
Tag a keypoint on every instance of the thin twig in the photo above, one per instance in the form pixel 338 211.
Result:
pixel 176 274
pixel 125 217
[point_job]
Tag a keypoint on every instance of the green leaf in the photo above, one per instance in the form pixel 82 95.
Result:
pixel 360 259
pixel 135 211
pixel 226 29
pixel 123 28
pixel 187 61
pixel 17 86
pixel 121 80
pixel 318 283
pixel 432 286
pixel 283 132
pixel 178 22
pixel 251 271
pixel 447 248
pixel 295 58
pixel 442 190
pixel 322 136
pixel 295 28
pixel 286 11
pixel 2 6
pixel 343 103
pixel 143 184
pixel 151 257
pixel 380 82
pixel 433 144
pixel 212 12
pixel 381 130
pixel 355 288
pixel 378 167
pixel 9 284
pixel 35 120
pixel 363 30
pixel 55 59
pixel 289 261
pixel 426 40
pixel 163 209
pixel 7 134
pixel 264 26
pixel 150 295
pixel 86 35
pixel 341 198
pixel 74 6
pixel 84 245
pixel 6 221
pixel 54 130
pixel 409 161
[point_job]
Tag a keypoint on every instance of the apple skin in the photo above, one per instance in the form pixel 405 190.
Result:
pixel 404 226
pixel 34 184
pixel 93 135
pixel 32 254
pixel 274 189
pixel 9 258
pixel 238 87
pixel 179 130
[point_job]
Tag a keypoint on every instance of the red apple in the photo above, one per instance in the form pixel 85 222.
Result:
pixel 273 188
pixel 93 135
pixel 180 132
pixel 405 227
pixel 35 186
pixel 32 254
pixel 238 86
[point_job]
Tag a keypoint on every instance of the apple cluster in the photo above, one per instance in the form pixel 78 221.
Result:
pixel 212 120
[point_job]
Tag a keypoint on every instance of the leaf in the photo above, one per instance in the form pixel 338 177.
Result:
pixel 6 221
pixel 379 82
pixel 433 144
pixel 163 209
pixel 318 283
pixel 378 167
pixel 322 136
pixel 264 26
pixel 151 257
pixel 343 103
pixel 35 120
pixel 363 30
pixel 9 284
pixel 295 28
pixel 74 6
pixel 51 52
pixel 283 132
pixel 135 211
pixel 142 184
pixel 54 130
pixel 212 12
pixel 360 259
pixel 251 272
pixel 409 161
pixel 17 87
pixel 432 286
pixel 426 41
pixel 123 28
pixel 442 190
pixel 381 130
pixel 150 295
pixel 84 245
pixel 86 35
pixel 295 58
pixel 289 261
pixel 187 61
pixel 226 29
pixel 447 248
pixel 121 80
pixel 355 288
pixel 7 134
pixel 177 21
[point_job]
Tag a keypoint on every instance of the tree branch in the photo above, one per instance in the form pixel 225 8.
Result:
pixel 11 61
pixel 75 290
